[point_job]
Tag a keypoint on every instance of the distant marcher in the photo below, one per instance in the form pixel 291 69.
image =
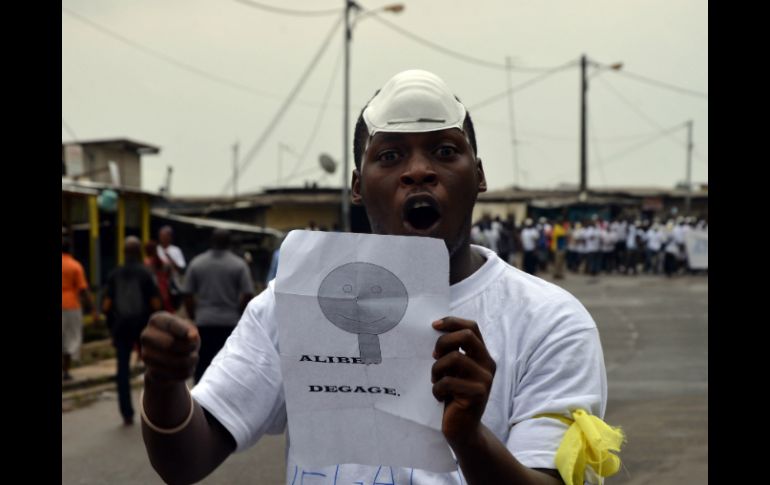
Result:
pixel 173 258
pixel 75 298
pixel 559 248
pixel 160 272
pixel 130 299
pixel 592 247
pixel 607 238
pixel 671 248
pixel 217 289
pixel 543 245
pixel 491 229
pixel 505 247
pixel 632 249
pixel 653 249
pixel 529 238
pixel 272 272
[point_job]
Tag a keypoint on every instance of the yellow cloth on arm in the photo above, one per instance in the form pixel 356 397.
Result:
pixel 588 441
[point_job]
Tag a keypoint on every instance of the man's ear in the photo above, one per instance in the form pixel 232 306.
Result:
pixel 355 191
pixel 482 177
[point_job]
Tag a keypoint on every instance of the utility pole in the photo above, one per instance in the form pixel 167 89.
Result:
pixel 349 4
pixel 583 144
pixel 510 119
pixel 689 167
pixel 235 169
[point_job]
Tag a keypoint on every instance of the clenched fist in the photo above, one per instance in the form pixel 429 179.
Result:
pixel 169 348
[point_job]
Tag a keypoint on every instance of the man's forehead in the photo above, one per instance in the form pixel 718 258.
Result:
pixel 386 136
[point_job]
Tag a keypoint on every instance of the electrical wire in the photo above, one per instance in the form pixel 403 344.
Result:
pixel 318 120
pixel 654 82
pixel 288 11
pixel 283 108
pixel 637 146
pixel 177 63
pixel 449 52
pixel 521 86
pixel 69 130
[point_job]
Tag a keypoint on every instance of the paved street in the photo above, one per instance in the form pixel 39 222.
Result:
pixel 655 337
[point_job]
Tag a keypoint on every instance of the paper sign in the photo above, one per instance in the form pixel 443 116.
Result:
pixel 697 245
pixel 355 337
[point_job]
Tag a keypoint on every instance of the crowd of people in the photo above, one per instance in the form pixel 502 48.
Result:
pixel 211 291
pixel 592 246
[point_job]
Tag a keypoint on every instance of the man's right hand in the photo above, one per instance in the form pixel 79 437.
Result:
pixel 169 348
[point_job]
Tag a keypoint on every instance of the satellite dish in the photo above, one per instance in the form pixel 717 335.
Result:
pixel 327 163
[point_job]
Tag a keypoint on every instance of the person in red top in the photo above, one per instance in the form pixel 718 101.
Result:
pixel 161 273
pixel 74 296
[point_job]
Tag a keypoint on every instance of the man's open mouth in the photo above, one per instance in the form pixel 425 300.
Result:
pixel 421 212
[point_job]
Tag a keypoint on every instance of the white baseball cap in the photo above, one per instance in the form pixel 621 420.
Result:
pixel 414 101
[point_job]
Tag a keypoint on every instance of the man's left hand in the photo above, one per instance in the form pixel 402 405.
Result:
pixel 462 376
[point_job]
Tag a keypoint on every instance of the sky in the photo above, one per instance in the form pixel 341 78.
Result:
pixel 197 77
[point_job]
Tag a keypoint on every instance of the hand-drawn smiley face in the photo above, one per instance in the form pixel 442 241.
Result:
pixel 365 299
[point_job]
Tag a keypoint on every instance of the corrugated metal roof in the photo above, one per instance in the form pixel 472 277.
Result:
pixel 217 223
pixel 88 187
pixel 141 147
pixel 637 192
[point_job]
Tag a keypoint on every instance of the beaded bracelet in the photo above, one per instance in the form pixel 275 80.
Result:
pixel 173 430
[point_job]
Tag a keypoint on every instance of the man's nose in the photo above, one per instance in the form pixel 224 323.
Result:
pixel 419 171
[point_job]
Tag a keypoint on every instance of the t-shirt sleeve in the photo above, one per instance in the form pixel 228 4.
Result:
pixel 563 371
pixel 247 287
pixel 190 283
pixel 176 254
pixel 80 279
pixel 243 388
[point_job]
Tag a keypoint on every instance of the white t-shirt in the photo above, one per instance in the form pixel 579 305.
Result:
pixel 607 239
pixel 591 235
pixel 493 235
pixel 172 252
pixel 545 344
pixel 654 239
pixel 631 238
pixel 529 238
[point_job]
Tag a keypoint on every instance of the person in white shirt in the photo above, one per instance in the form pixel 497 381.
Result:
pixel 632 248
pixel 654 245
pixel 529 237
pixel 174 262
pixel 593 248
pixel 607 239
pixel 515 357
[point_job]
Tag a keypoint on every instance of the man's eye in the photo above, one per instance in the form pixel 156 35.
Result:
pixel 388 156
pixel 446 151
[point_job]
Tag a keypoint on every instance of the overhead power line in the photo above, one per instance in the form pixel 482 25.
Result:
pixel 449 52
pixel 661 130
pixel 283 108
pixel 690 92
pixel 521 86
pixel 639 145
pixel 69 130
pixel 177 63
pixel 642 115
pixel 289 11
pixel 318 120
